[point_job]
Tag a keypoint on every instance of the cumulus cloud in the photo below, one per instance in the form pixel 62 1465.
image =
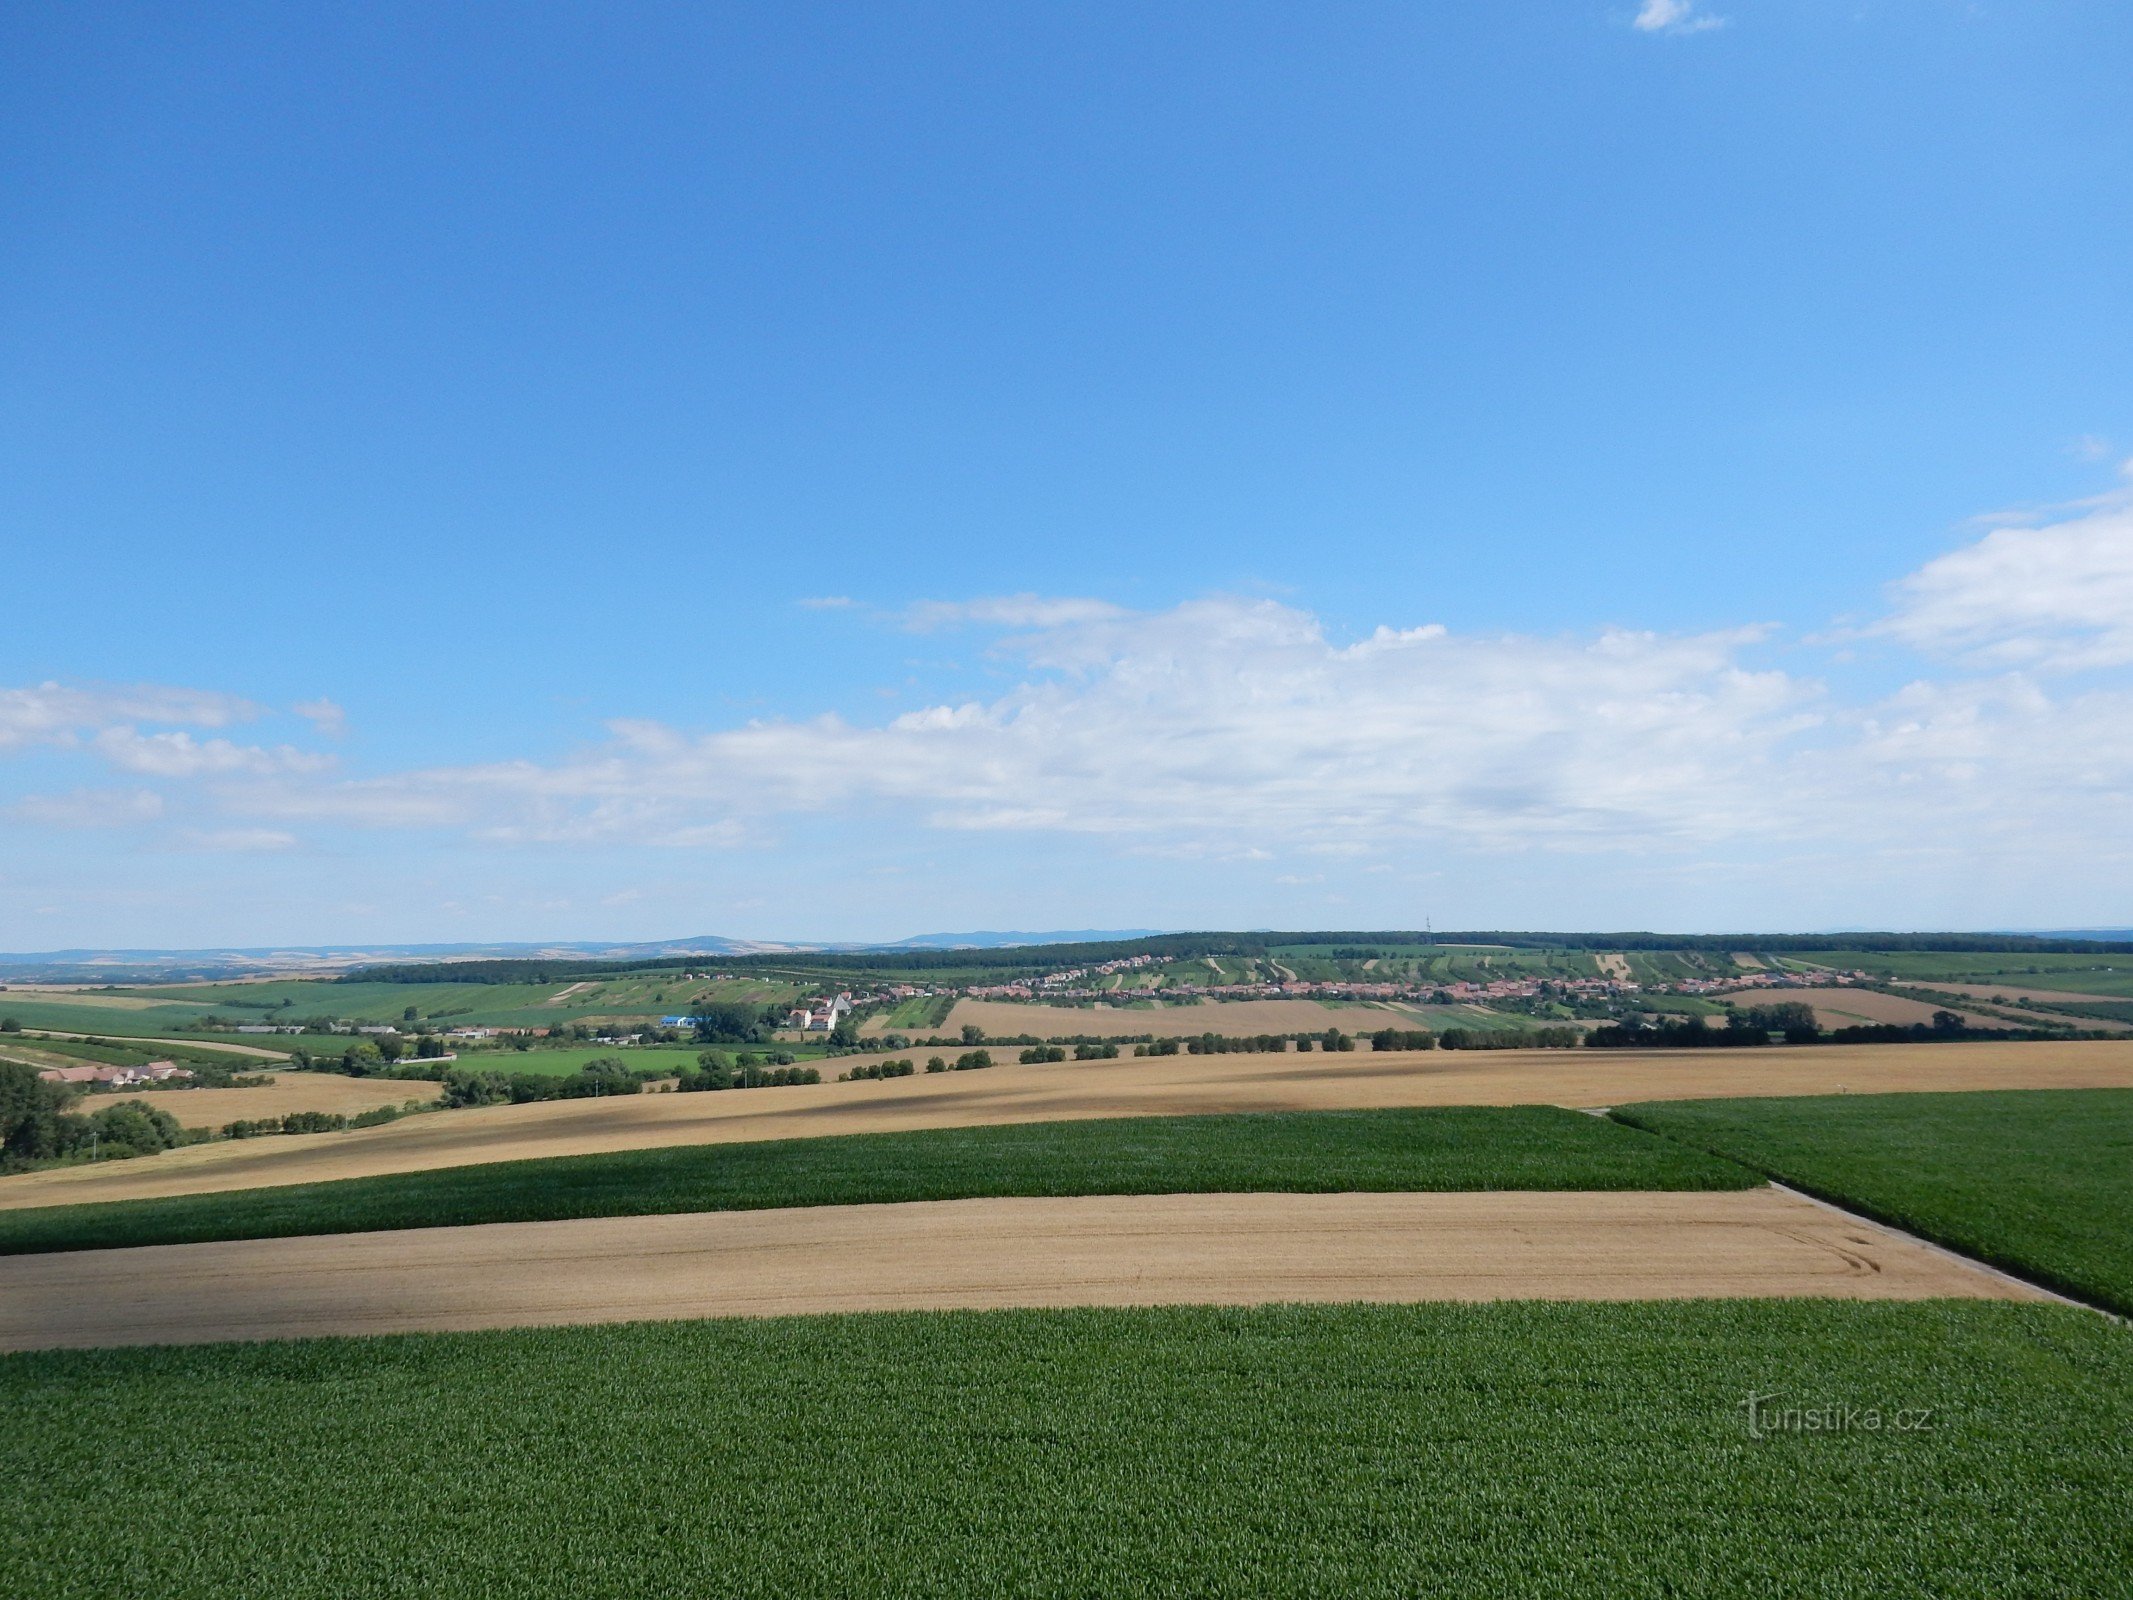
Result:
pixel 2051 595
pixel 53 713
pixel 1232 720
pixel 1673 16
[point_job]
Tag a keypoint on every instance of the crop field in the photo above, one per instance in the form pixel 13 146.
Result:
pixel 1515 1450
pixel 562 1060
pixel 2110 975
pixel 1236 1018
pixel 2038 1182
pixel 1072 1091
pixel 1845 1008
pixel 1533 1147
pixel 290 1091
pixel 983 1255
pixel 84 1014
pixel 517 1005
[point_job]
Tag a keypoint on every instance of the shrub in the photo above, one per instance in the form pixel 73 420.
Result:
pixel 971 1060
pixel 1041 1053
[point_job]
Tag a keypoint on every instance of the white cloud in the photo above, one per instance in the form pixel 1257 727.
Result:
pixel 88 808
pixel 827 602
pixel 2053 596
pixel 324 715
pixel 179 755
pixel 53 713
pixel 1230 721
pixel 1009 611
pixel 240 841
pixel 1673 16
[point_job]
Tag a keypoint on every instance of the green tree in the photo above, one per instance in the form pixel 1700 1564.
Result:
pixel 32 1115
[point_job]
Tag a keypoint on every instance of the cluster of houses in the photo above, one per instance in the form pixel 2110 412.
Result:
pixel 102 1077
pixel 820 1016
pixel 1064 986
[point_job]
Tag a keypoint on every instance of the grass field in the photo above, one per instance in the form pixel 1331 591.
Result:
pixel 1518 1450
pixel 2039 1182
pixel 1528 1147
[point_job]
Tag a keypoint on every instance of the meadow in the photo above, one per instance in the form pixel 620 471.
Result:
pixel 1527 1147
pixel 1527 1450
pixel 2037 1181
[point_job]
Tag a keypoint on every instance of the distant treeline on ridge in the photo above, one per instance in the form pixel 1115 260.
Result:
pixel 1011 959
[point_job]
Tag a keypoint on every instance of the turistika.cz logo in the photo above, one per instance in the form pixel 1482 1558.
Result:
pixel 1767 1417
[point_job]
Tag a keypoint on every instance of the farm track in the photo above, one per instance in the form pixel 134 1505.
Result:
pixel 1129 1086
pixel 981 1254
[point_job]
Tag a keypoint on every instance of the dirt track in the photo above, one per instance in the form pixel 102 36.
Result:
pixel 1099 1250
pixel 1145 1086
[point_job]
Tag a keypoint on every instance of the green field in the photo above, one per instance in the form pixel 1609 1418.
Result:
pixel 2038 1181
pixel 1526 1451
pixel 292 1000
pixel 1523 1147
pixel 563 1060
pixel 2078 974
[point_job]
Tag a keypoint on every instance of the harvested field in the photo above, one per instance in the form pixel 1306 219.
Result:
pixel 290 1091
pixel 1994 991
pixel 219 1046
pixel 1145 1086
pixel 980 1254
pixel 1235 1018
pixel 1747 962
pixel 1614 966
pixel 1846 1008
pixel 77 997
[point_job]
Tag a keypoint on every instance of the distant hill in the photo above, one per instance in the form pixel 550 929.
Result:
pixel 995 941
pixel 142 966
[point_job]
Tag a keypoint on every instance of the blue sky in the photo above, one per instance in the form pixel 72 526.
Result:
pixel 554 472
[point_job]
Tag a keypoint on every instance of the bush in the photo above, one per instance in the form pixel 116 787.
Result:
pixel 1042 1053
pixel 10 1025
pixel 1096 1052
pixel 936 1064
pixel 971 1060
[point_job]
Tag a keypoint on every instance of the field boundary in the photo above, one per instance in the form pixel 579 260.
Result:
pixel 1938 1248
pixel 1859 1211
